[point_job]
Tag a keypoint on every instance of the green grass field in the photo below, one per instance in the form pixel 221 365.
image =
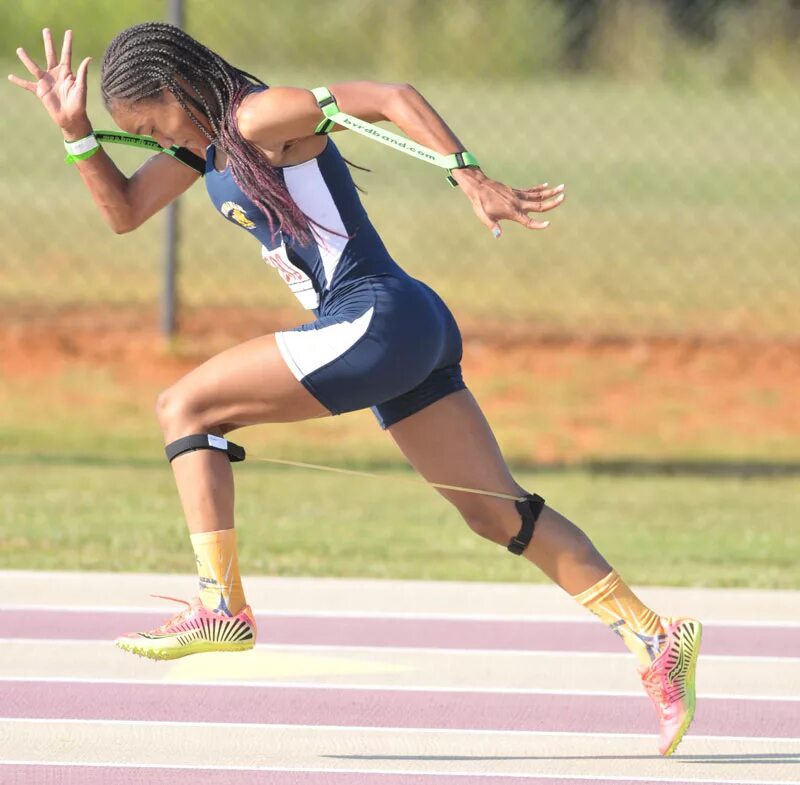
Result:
pixel 60 513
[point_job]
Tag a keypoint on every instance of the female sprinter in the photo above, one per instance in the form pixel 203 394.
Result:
pixel 381 339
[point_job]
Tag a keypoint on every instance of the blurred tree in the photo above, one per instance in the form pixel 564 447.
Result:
pixel 581 22
pixel 698 20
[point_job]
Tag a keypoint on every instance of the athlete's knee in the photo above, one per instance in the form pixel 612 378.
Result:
pixel 487 518
pixel 177 408
pixel 505 522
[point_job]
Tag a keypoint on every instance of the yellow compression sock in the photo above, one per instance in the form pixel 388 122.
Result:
pixel 218 567
pixel 612 601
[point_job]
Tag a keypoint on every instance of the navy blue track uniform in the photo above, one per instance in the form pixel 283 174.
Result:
pixel 382 339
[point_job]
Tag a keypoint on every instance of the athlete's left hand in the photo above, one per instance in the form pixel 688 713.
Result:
pixel 493 201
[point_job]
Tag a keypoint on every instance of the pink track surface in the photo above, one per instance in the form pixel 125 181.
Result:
pixel 383 708
pixel 103 775
pixel 303 708
pixel 427 633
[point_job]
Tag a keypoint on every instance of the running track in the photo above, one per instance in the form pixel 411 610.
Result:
pixel 393 683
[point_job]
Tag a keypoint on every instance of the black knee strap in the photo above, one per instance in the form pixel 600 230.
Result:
pixel 204 441
pixel 529 509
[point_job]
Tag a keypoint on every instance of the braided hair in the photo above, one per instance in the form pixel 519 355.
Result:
pixel 147 58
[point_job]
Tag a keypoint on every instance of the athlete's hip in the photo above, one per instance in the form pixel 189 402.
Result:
pixel 384 338
pixel 397 297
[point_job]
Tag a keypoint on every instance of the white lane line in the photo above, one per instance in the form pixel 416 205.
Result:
pixel 422 649
pixel 403 772
pixel 232 726
pixel 582 619
pixel 309 685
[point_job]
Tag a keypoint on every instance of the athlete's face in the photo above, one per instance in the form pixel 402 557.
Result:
pixel 164 119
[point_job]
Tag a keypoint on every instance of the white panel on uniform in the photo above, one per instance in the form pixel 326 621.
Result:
pixel 309 190
pixel 304 351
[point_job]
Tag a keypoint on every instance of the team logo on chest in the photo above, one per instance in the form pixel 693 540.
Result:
pixel 235 212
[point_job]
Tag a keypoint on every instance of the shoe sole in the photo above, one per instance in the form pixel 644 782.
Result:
pixel 197 647
pixel 691 634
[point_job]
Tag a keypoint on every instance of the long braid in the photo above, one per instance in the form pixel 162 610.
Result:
pixel 145 59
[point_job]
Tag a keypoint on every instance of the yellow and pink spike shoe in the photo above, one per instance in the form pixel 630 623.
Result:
pixel 193 631
pixel 670 681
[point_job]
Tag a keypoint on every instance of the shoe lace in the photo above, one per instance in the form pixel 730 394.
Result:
pixel 178 617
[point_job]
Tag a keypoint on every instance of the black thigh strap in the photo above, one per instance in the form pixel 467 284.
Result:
pixel 529 510
pixel 204 441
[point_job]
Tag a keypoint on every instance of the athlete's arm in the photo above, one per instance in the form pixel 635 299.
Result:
pixel 124 202
pixel 127 202
pixel 272 117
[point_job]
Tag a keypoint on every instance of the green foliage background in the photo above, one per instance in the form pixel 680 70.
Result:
pixel 736 42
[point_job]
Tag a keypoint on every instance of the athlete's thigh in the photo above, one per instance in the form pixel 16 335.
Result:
pixel 450 442
pixel 245 385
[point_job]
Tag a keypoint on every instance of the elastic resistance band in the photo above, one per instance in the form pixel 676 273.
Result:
pixel 333 116
pixel 416 480
pixel 327 102
pixel 181 154
pixel 528 506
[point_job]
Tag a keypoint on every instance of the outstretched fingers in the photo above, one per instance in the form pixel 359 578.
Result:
pixel 496 202
pixel 49 49
pixel 33 69
pixel 29 86
pixel 546 200
pixel 538 192
pixel 66 50
pixel 541 206
pixel 531 223
pixel 80 75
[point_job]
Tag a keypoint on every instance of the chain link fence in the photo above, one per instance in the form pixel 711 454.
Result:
pixel 674 123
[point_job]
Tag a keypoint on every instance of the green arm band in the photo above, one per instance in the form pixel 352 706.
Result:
pixel 333 117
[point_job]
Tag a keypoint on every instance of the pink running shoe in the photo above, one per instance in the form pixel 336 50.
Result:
pixel 192 631
pixel 670 681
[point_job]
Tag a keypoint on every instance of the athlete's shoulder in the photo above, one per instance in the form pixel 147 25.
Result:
pixel 269 117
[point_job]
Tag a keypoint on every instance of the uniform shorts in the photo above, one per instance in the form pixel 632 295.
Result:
pixel 387 343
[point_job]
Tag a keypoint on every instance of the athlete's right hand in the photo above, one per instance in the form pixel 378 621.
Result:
pixel 62 93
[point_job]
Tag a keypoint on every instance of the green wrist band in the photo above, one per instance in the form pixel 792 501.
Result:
pixel 333 117
pixel 81 149
pixel 461 160
pixel 71 159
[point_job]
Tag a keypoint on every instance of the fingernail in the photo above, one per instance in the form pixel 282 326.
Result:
pixel 496 232
pixel 546 224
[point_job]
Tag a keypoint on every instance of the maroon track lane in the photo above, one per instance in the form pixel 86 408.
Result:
pixel 16 774
pixel 404 633
pixel 383 708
